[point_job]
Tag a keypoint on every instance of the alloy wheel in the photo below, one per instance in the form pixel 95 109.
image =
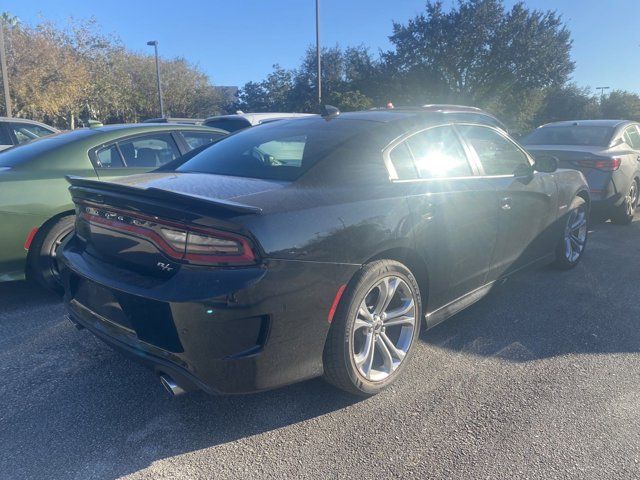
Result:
pixel 575 234
pixel 384 328
pixel 632 199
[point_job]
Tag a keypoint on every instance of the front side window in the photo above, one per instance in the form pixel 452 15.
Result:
pixel 25 132
pixel 437 153
pixel 198 139
pixel 149 151
pixel 497 154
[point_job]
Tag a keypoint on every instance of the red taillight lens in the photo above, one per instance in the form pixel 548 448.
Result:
pixel 181 242
pixel 607 164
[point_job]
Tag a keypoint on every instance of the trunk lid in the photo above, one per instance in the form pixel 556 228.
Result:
pixel 154 224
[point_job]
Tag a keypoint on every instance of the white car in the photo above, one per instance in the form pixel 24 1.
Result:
pixel 16 131
pixel 241 120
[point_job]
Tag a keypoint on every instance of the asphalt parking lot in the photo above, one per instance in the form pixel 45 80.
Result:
pixel 541 379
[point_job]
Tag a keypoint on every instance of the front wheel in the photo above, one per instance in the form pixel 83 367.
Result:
pixel 374 330
pixel 43 265
pixel 573 241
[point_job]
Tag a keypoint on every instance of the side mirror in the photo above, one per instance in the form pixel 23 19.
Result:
pixel 524 172
pixel 546 163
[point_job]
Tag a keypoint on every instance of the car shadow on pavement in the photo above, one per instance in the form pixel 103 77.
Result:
pixel 592 309
pixel 73 408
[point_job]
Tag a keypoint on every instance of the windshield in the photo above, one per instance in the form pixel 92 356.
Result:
pixel 276 151
pixel 571 135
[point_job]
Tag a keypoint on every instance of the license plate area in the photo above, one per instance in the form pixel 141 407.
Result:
pixel 101 301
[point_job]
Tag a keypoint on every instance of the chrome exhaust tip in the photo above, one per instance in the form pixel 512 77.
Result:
pixel 171 386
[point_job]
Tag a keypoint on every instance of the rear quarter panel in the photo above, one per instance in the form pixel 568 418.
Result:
pixel 28 198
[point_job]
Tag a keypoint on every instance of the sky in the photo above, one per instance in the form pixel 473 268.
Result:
pixel 238 41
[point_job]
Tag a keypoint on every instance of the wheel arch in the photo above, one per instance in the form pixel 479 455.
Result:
pixel 42 231
pixel 414 262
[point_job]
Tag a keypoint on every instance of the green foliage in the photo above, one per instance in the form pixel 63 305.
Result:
pixel 61 75
pixel 621 105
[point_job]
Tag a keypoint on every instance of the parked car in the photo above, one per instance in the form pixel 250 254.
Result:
pixel 607 152
pixel 241 120
pixel 313 246
pixel 16 131
pixel 36 212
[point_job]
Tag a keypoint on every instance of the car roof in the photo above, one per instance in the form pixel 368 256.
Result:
pixel 26 120
pixel 591 123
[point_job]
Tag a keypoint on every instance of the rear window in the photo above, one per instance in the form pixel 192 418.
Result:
pixel 571 135
pixel 277 151
pixel 228 124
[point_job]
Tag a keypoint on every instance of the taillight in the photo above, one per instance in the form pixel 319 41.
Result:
pixel 196 245
pixel 606 164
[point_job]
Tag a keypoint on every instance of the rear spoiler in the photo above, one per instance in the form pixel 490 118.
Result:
pixel 161 194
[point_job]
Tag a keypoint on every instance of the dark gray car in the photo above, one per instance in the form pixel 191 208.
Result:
pixel 607 152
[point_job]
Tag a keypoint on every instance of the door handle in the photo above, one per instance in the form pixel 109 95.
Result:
pixel 427 211
pixel 505 203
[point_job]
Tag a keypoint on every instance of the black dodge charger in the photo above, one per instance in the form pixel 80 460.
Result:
pixel 314 246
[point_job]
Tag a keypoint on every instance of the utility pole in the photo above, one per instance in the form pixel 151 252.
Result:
pixel 154 44
pixel 5 73
pixel 319 73
pixel 602 89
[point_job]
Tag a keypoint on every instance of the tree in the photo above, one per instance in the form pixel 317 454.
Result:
pixel 620 104
pixel 478 53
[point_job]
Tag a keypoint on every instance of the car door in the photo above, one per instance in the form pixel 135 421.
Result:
pixel 453 210
pixel 132 155
pixel 527 200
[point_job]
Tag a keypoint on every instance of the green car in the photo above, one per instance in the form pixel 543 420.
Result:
pixel 36 212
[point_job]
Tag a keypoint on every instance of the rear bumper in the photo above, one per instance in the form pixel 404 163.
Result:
pixel 219 330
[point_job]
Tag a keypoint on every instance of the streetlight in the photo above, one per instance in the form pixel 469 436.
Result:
pixel 154 44
pixel 602 89
pixel 319 73
pixel 5 74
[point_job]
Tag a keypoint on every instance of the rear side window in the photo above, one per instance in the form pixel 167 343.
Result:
pixel 437 153
pixel 198 139
pixel 149 151
pixel 109 157
pixel 587 135
pixel 497 154
pixel 402 162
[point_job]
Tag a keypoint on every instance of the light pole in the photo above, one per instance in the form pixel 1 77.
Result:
pixel 602 89
pixel 154 44
pixel 319 73
pixel 5 74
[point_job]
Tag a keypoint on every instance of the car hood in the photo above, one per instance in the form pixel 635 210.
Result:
pixel 221 187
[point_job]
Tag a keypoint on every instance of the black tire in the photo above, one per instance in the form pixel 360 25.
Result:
pixel 42 265
pixel 623 214
pixel 564 261
pixel 340 367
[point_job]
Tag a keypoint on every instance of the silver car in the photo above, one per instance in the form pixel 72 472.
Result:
pixel 16 131
pixel 607 152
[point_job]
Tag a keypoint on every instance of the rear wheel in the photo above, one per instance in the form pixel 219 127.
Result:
pixel 43 265
pixel 623 215
pixel 573 242
pixel 374 330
